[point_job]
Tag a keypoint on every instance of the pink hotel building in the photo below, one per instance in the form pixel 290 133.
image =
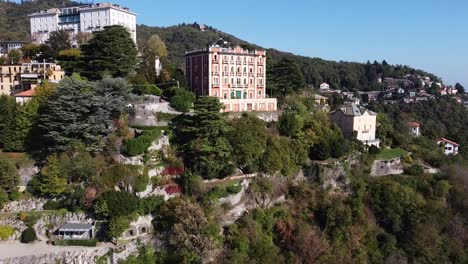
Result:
pixel 234 75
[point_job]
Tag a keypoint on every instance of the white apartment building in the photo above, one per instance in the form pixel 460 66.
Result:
pixel 80 21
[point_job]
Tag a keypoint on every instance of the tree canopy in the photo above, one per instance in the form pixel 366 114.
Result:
pixel 110 52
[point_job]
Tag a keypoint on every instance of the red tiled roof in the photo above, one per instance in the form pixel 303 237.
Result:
pixel 448 141
pixel 414 124
pixel 28 93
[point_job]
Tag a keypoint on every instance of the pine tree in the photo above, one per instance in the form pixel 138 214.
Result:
pixel 82 111
pixel 111 51
pixel 52 181
pixel 7 122
pixel 9 178
pixel 204 139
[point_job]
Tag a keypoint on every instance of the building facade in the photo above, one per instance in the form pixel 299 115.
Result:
pixel 355 121
pixel 15 79
pixel 448 147
pixel 415 129
pixel 234 75
pixel 80 21
pixel 7 46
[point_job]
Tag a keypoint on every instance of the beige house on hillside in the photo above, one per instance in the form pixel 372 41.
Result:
pixel 359 121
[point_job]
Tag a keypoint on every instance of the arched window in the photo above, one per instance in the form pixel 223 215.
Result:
pixel 245 95
pixel 216 93
pixel 260 93
pixel 225 96
pixel 232 95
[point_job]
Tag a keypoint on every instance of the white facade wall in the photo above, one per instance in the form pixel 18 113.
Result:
pixel 365 126
pixel 89 19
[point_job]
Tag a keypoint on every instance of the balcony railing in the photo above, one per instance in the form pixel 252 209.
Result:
pixel 238 62
pixel 225 73
pixel 251 74
pixel 261 75
pixel 239 74
pixel 251 63
pixel 225 61
pixel 216 61
pixel 260 63
pixel 215 73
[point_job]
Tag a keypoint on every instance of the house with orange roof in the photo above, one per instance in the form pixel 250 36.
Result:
pixel 23 97
pixel 449 147
pixel 415 129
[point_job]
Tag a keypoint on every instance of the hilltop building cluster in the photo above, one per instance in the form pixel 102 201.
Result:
pixel 80 21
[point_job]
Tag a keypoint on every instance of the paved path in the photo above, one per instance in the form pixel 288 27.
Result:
pixel 18 250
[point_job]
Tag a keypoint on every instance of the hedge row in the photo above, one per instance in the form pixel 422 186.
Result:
pixel 76 243
pixel 139 145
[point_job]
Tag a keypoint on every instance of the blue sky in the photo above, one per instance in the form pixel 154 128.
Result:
pixel 428 34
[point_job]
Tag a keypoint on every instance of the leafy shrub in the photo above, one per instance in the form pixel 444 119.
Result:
pixel 6 232
pixel 234 189
pixel 141 182
pixel 76 243
pixel 147 89
pixel 28 218
pixel 181 103
pixel 53 205
pixel 165 116
pixel 28 235
pixel 138 146
pixel 373 150
pixel 113 175
pixel 414 170
pixel 216 193
pixel 180 99
pixel 149 205
pixel 119 203
pixel 3 198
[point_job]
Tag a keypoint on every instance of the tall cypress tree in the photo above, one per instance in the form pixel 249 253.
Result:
pixel 203 139
pixel 7 122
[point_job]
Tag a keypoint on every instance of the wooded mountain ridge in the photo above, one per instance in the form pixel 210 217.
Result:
pixel 352 76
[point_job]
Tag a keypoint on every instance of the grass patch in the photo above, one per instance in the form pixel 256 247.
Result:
pixel 387 154
pixel 6 232
pixel 150 127
pixel 164 116
pixel 139 145
pixel 76 243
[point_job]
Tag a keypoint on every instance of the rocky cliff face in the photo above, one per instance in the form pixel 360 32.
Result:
pixel 329 175
pixel 24 206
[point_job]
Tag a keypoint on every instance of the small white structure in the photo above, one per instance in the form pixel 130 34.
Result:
pixel 324 86
pixel 76 231
pixel 415 129
pixel 25 96
pixel 450 147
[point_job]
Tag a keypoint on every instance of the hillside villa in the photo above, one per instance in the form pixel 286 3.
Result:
pixel 449 147
pixel 234 75
pixel 356 121
pixel 414 129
